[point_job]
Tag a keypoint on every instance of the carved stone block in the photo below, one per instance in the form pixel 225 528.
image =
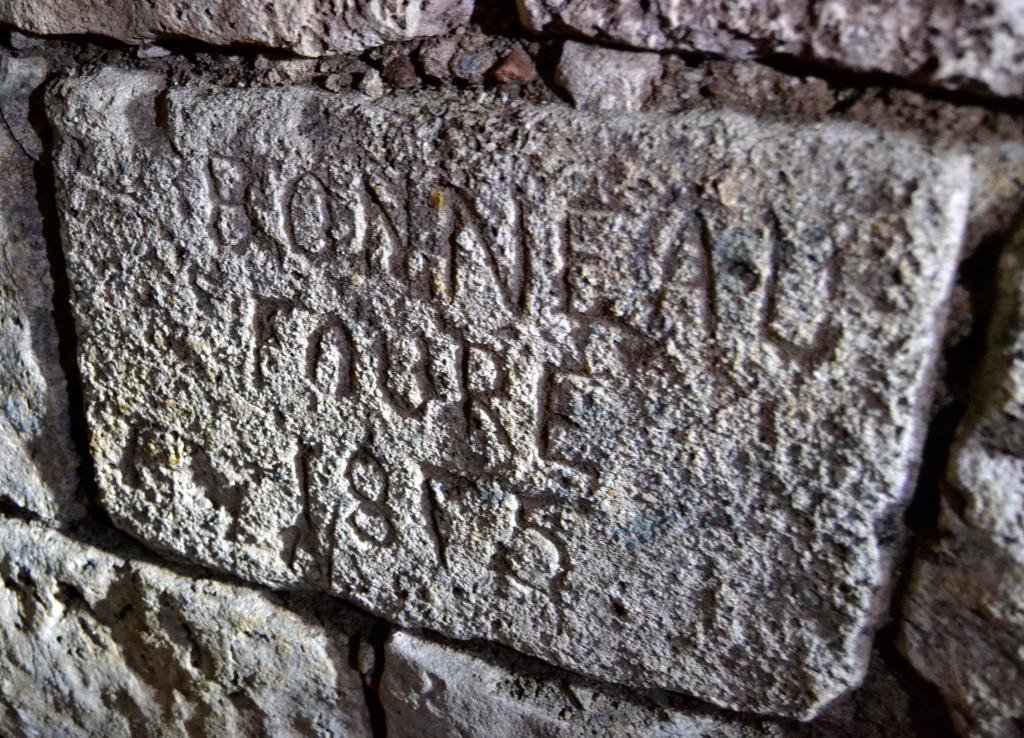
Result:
pixel 639 395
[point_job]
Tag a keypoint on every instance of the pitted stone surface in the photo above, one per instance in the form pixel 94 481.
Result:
pixel 607 79
pixel 964 613
pixel 429 690
pixel 37 462
pixel 96 644
pixel 432 690
pixel 307 27
pixel 954 43
pixel 639 395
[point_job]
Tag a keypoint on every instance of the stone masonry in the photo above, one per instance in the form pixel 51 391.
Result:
pixel 307 27
pixel 465 403
pixel 964 622
pixel 552 368
pixel 37 462
pixel 952 43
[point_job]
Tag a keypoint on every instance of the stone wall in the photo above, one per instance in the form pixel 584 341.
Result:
pixel 570 368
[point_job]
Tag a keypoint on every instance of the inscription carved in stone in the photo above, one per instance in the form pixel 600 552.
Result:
pixel 639 395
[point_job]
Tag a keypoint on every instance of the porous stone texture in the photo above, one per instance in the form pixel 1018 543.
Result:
pixel 954 43
pixel 964 611
pixel 95 643
pixel 37 462
pixel 307 27
pixel 431 690
pixel 607 79
pixel 640 395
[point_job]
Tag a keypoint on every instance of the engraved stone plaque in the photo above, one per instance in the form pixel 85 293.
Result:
pixel 636 394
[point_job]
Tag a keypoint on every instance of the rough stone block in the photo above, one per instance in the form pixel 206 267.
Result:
pixel 480 692
pixel 607 79
pixel 430 689
pixel 639 395
pixel 37 462
pixel 964 611
pixel 964 43
pixel 306 27
pixel 96 643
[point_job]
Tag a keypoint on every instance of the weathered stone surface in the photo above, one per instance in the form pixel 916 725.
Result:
pixel 37 463
pixel 639 395
pixel 430 689
pixel 517 66
pixel 955 43
pixel 94 643
pixel 964 613
pixel 471 57
pixel 307 27
pixel 607 79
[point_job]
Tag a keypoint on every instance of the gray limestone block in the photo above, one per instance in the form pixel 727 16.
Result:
pixel 640 395
pixel 37 462
pixel 306 27
pixel 964 613
pixel 97 644
pixel 607 79
pixel 431 689
pixel 954 43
